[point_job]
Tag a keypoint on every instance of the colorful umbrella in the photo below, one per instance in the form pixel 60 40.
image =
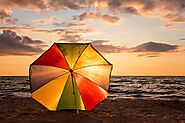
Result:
pixel 70 76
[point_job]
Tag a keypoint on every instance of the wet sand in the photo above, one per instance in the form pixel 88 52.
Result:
pixel 21 110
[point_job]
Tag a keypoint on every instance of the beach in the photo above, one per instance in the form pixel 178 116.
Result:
pixel 25 109
pixel 131 100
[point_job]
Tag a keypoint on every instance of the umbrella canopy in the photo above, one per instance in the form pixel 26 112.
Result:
pixel 70 76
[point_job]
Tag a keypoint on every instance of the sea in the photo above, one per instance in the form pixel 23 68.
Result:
pixel 133 87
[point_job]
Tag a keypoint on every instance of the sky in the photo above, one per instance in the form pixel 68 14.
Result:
pixel 139 37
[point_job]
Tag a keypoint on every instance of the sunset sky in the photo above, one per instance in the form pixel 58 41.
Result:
pixel 139 37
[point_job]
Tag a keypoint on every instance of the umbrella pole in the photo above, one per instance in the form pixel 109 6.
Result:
pixel 75 95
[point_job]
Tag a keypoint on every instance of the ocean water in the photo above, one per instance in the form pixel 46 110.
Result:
pixel 142 87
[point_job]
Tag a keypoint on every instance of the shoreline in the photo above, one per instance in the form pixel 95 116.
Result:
pixel 120 110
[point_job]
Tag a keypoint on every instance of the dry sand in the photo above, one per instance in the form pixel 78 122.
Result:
pixel 27 110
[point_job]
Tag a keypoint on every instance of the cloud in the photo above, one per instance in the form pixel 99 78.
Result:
pixel 30 29
pixel 70 25
pixel 149 55
pixel 101 46
pixel 4 14
pixel 167 10
pixel 67 35
pixel 7 7
pixel 77 31
pixel 12 44
pixel 132 6
pixel 173 26
pixel 154 47
pixel 71 38
pixel 173 10
pixel 64 4
pixel 44 21
pixel 28 41
pixel 34 5
pixel 89 16
pixel 5 17
pixel 182 39
pixel 130 10
pixel 57 31
pixel 73 35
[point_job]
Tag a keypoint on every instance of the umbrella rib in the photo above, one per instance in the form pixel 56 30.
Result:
pixel 76 71
pixel 79 57
pixel 91 66
pixel 48 82
pixel 64 57
pixel 74 94
pixel 79 92
pixel 100 55
pixel 50 66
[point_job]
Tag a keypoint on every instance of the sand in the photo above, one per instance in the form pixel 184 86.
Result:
pixel 27 110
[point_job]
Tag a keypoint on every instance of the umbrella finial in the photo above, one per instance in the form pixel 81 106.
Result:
pixel 70 70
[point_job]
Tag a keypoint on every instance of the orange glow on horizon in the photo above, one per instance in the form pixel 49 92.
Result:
pixel 123 64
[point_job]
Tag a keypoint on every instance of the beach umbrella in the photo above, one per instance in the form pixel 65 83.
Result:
pixel 70 76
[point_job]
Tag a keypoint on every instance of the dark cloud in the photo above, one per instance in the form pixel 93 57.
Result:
pixel 74 24
pixel 64 4
pixel 182 39
pixel 12 44
pixel 4 14
pixel 35 5
pixel 130 10
pixel 30 4
pixel 129 6
pixel 149 49
pixel 154 47
pixel 28 41
pixel 101 46
pixel 173 10
pixel 149 55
